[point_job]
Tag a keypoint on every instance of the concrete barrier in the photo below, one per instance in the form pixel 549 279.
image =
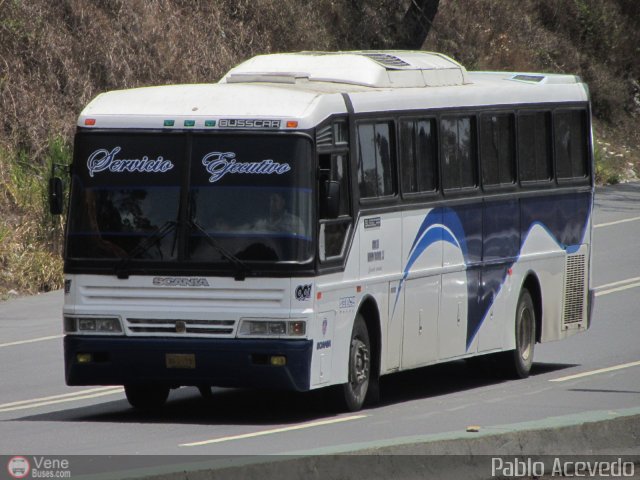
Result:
pixel 606 437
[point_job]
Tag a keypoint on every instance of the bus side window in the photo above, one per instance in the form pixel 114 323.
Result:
pixel 570 144
pixel 333 232
pixel 534 147
pixel 418 156
pixel 459 166
pixel 497 149
pixel 375 163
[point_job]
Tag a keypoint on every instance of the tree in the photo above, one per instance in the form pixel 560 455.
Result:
pixel 417 23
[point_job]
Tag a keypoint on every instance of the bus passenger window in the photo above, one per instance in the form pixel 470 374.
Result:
pixel 571 144
pixel 375 165
pixel 458 153
pixel 534 147
pixel 418 156
pixel 496 149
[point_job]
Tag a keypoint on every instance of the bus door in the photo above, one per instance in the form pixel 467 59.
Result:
pixel 420 287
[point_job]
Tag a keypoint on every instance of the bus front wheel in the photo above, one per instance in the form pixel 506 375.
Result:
pixel 146 397
pixel 355 390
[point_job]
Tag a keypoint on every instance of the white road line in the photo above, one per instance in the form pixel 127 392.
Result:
pixel 617 222
pixel 55 399
pixel 596 372
pixel 617 289
pixel 275 430
pixel 33 340
pixel 615 284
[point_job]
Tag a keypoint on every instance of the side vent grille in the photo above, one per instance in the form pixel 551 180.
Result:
pixel 574 290
pixel 324 136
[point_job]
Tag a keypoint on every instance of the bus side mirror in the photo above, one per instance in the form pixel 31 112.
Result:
pixel 331 199
pixel 56 198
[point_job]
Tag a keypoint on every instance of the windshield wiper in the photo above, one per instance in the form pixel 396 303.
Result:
pixel 144 245
pixel 241 268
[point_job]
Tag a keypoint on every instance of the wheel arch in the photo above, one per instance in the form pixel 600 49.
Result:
pixel 371 314
pixel 532 284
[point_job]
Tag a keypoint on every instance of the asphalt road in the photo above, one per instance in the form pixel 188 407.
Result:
pixel 39 414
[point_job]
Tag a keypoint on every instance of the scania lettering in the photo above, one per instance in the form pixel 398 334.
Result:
pixel 371 213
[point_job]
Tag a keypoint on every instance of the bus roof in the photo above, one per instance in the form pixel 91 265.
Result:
pixel 307 87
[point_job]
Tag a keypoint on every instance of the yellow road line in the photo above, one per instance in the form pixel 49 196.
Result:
pixel 55 399
pixel 596 372
pixel 33 340
pixel 275 430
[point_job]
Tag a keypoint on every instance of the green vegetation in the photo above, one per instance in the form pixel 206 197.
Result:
pixel 56 56
pixel 30 238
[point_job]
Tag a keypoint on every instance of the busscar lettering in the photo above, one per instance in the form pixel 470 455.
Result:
pixel 218 164
pixel 248 123
pixel 103 159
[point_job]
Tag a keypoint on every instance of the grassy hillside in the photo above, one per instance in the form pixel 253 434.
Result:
pixel 56 56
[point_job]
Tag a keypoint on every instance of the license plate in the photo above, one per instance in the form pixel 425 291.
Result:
pixel 180 360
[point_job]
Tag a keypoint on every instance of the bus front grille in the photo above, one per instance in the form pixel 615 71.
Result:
pixel 180 326
pixel 189 298
pixel 574 290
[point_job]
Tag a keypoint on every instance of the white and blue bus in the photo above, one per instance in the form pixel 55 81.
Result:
pixel 322 219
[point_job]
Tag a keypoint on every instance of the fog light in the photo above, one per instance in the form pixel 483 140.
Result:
pixel 83 358
pixel 278 360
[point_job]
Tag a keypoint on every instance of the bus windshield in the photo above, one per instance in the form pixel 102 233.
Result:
pixel 187 199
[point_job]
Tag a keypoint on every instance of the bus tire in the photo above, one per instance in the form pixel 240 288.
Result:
pixel 146 397
pixel 525 331
pixel 354 392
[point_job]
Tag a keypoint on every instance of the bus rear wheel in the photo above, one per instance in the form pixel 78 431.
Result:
pixel 146 397
pixel 354 392
pixel 525 331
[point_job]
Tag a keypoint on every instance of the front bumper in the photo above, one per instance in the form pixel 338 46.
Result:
pixel 217 362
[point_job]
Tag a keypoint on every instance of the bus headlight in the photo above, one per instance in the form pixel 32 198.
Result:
pixel 272 328
pixel 93 325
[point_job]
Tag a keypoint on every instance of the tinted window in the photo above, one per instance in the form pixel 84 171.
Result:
pixel 338 173
pixel 333 232
pixel 458 153
pixel 253 198
pixel 418 155
pixel 534 146
pixel 332 237
pixel 375 166
pixel 570 144
pixel 126 195
pixel 497 152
